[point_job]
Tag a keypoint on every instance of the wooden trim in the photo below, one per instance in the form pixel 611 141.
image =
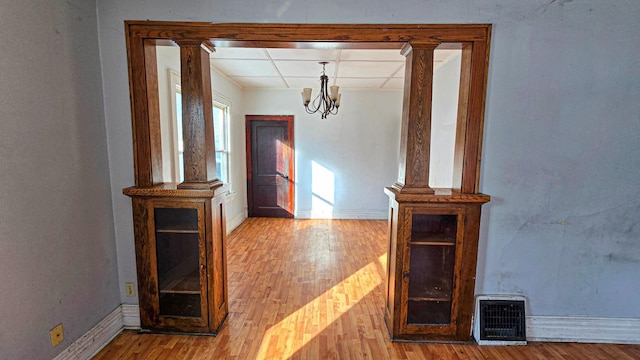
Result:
pixel 217 271
pixel 475 122
pixel 148 33
pixel 466 281
pixel 249 165
pixel 463 115
pixel 170 190
pixel 145 111
pixel 291 155
pixel 286 35
pixel 147 288
pixel 440 196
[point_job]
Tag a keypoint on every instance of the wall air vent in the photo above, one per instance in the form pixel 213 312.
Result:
pixel 500 320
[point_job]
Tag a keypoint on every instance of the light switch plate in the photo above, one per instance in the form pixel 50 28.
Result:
pixel 130 289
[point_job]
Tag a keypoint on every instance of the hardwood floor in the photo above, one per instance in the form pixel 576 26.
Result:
pixel 314 289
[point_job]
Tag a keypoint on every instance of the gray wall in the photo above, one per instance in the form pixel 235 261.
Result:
pixel 561 156
pixel 57 251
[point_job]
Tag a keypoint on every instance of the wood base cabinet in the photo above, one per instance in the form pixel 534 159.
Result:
pixel 433 245
pixel 180 240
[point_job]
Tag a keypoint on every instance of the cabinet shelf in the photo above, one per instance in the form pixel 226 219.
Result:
pixel 425 299
pixel 189 284
pixel 431 238
pixel 177 231
pixel 431 243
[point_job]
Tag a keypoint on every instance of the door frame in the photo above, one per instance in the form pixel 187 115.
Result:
pixel 291 155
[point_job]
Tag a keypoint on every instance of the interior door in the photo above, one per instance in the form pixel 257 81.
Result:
pixel 270 181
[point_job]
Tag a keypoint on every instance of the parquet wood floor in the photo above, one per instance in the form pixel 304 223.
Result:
pixel 314 289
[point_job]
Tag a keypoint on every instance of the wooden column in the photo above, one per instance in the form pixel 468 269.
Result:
pixel 145 111
pixel 197 116
pixel 413 172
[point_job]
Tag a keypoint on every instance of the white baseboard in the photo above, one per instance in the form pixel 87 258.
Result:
pixel 583 329
pixel 130 316
pixel 236 221
pixel 343 214
pixel 95 339
pixel 539 328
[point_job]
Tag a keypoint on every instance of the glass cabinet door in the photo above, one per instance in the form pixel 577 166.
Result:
pixel 432 255
pixel 179 261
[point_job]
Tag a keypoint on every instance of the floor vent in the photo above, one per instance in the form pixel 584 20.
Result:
pixel 500 320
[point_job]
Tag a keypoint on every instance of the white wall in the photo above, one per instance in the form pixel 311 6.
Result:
pixel 57 250
pixel 444 115
pixel 343 162
pixel 560 155
pixel 237 200
pixel 168 60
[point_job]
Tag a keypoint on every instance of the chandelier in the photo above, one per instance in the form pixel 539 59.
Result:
pixel 327 103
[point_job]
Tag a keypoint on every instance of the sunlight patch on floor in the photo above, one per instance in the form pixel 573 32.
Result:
pixel 292 333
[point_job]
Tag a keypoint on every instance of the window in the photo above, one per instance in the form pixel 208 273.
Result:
pixel 179 142
pixel 221 110
pixel 177 159
pixel 221 113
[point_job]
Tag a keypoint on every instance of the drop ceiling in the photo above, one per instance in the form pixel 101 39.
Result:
pixel 298 68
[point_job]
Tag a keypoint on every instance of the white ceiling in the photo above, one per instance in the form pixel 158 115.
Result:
pixel 299 68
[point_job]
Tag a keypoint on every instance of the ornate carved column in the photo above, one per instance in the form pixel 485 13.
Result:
pixel 413 172
pixel 197 116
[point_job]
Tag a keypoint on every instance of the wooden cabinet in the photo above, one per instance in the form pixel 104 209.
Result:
pixel 180 252
pixel 431 268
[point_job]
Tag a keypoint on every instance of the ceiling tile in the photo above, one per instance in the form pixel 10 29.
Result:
pixel 238 53
pixel 360 83
pixel 245 67
pixel 259 82
pixel 368 69
pixel 304 68
pixel 357 68
pixel 394 83
pixel 303 54
pixel 299 83
pixel 371 55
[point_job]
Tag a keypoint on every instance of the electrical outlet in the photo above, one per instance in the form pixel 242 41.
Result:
pixel 130 289
pixel 56 335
